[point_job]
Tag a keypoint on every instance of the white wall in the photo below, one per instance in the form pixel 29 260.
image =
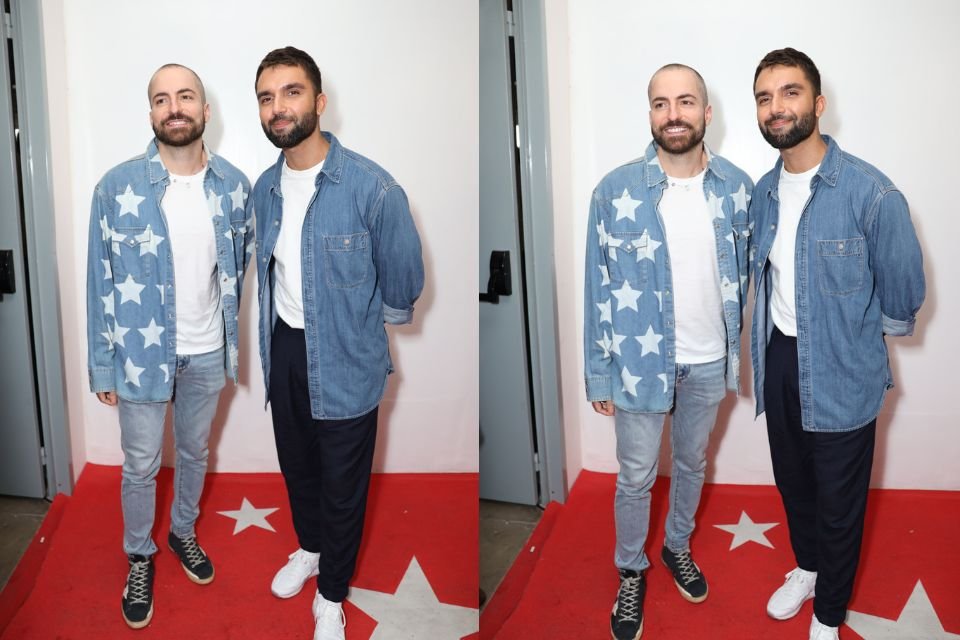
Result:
pixel 401 81
pixel 889 76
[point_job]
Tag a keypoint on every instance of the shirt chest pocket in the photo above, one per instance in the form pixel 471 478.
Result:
pixel 840 265
pixel 347 259
pixel 625 256
pixel 133 251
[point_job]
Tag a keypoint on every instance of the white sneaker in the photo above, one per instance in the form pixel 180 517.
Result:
pixel 787 600
pixel 329 617
pixel 820 631
pixel 290 579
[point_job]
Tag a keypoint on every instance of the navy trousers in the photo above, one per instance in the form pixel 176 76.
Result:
pixel 823 479
pixel 325 463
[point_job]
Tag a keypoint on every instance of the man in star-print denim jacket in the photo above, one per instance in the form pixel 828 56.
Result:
pixel 665 281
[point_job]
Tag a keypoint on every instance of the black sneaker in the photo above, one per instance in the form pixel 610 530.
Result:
pixel 686 574
pixel 193 559
pixel 137 602
pixel 626 620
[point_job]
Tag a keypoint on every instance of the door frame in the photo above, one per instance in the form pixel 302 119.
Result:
pixel 39 231
pixel 529 31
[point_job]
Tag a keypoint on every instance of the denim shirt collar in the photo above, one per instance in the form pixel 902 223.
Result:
pixel 829 170
pixel 332 164
pixel 655 174
pixel 159 172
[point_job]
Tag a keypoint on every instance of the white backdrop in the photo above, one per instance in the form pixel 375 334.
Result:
pixel 888 72
pixel 401 81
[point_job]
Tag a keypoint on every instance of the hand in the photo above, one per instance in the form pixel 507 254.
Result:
pixel 107 397
pixel 604 407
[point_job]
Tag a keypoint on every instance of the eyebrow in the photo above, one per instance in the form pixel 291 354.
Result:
pixel 291 85
pixel 179 92
pixel 681 96
pixel 791 85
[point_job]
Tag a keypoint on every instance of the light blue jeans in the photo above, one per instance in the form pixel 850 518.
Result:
pixel 699 390
pixel 196 390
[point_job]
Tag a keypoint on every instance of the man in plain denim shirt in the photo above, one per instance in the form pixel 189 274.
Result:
pixel 339 256
pixel 837 266
pixel 170 237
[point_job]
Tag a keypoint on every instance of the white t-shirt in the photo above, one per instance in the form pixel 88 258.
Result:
pixel 297 188
pixel 698 306
pixel 794 192
pixel 194 250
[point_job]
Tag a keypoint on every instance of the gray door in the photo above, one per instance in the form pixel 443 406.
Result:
pixel 21 470
pixel 507 454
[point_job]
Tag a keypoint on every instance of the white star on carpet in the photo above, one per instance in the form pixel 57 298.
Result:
pixel 626 206
pixel 414 611
pixel 740 199
pixel 605 315
pixel 249 516
pixel 237 196
pixel 629 382
pixel 746 530
pixel 649 342
pixel 151 334
pixel 213 203
pixel 626 297
pixel 129 202
pixel 648 249
pixel 130 290
pixel 918 619
pixel 149 241
pixel 132 372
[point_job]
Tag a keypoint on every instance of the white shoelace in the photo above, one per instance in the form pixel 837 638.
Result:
pixel 194 553
pixel 688 570
pixel 137 583
pixel 628 599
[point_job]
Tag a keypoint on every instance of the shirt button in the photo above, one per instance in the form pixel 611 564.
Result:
pixel 773 226
pixel 276 223
pixel 840 246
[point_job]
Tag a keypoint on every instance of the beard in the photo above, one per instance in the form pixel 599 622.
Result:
pixel 183 136
pixel 682 143
pixel 803 127
pixel 302 128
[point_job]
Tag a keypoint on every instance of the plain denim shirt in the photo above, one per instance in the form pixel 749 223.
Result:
pixel 859 275
pixel 627 253
pixel 361 267
pixel 131 294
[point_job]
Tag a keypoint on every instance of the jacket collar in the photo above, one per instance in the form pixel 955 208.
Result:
pixel 655 174
pixel 332 164
pixel 157 172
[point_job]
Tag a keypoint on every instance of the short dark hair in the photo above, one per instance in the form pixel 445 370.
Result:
pixel 790 58
pixel 292 57
pixel 174 65
pixel 676 66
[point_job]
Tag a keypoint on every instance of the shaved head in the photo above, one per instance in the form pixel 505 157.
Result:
pixel 676 66
pixel 199 88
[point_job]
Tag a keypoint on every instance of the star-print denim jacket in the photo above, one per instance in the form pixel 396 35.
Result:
pixel 629 335
pixel 361 267
pixel 859 276
pixel 131 295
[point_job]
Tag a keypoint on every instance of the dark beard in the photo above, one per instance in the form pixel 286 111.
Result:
pixel 802 129
pixel 679 145
pixel 180 137
pixel 302 129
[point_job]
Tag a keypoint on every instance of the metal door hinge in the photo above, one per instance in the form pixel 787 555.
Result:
pixel 43 456
pixel 8 26
pixel 510 24
pixel 536 462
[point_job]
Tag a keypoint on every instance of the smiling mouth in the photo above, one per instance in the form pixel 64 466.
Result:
pixel 177 123
pixel 675 130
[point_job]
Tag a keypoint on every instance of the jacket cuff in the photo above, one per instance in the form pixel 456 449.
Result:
pixel 893 327
pixel 397 316
pixel 102 379
pixel 598 388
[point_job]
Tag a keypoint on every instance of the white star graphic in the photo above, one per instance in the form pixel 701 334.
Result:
pixel 626 297
pixel 234 355
pixel 626 206
pixel 663 378
pixel 238 197
pixel 249 516
pixel 105 229
pixel 746 530
pixel 228 234
pixel 648 249
pixel 649 342
pixel 213 204
pixel 729 291
pixel 605 315
pixel 605 275
pixel 107 270
pixel 132 372
pixel 659 295
pixel 130 290
pixel 740 199
pixel 612 244
pixel 151 334
pixel 604 344
pixel 918 619
pixel 602 233
pixel 615 341
pixel 108 336
pixel 655 161
pixel 108 304
pixel 166 373
pixel 629 382
pixel 715 205
pixel 228 286
pixel 156 158
pixel 129 202
pixel 118 333
pixel 148 241
pixel 414 611
pixel 160 289
pixel 730 239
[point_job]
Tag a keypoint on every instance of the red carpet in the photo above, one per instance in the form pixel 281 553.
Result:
pixel 430 518
pixel 911 540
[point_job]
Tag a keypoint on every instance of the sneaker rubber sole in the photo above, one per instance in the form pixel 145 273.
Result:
pixel 142 623
pixel 190 574
pixel 290 594
pixel 789 614
pixel 690 598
